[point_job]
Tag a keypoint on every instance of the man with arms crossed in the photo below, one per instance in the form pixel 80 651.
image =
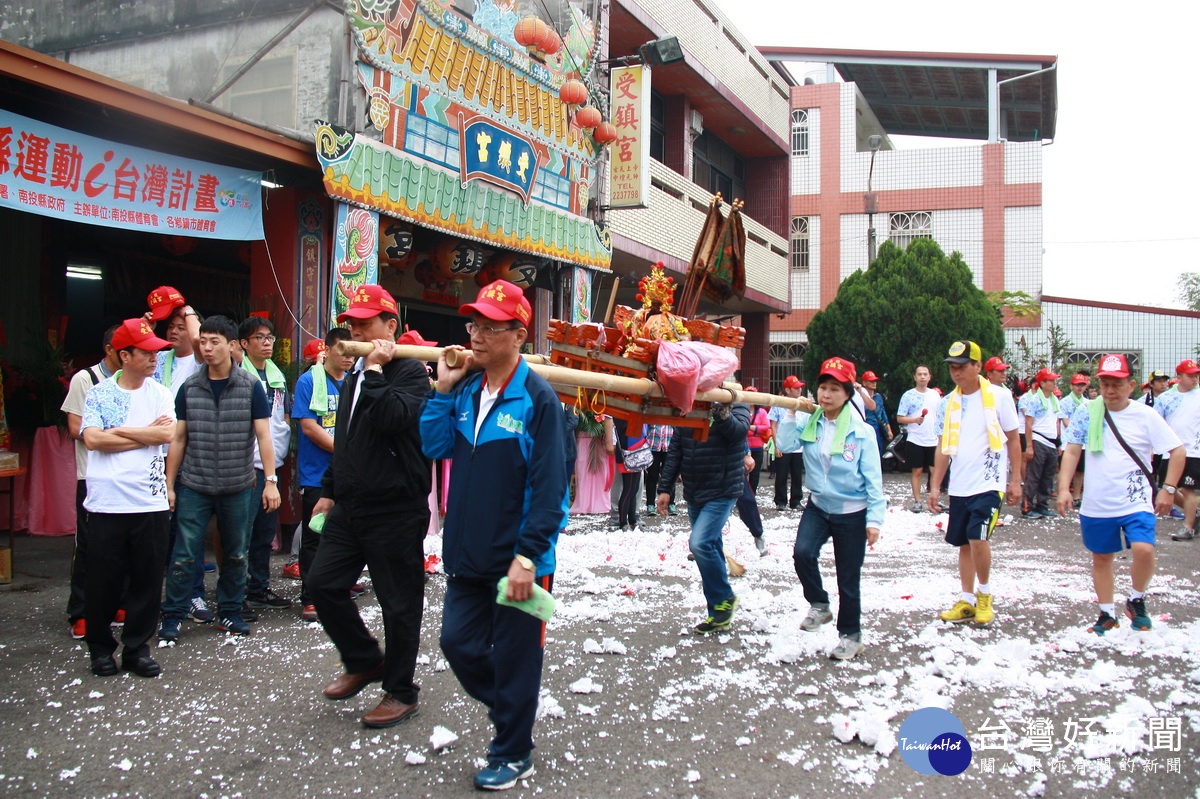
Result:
pixel 976 429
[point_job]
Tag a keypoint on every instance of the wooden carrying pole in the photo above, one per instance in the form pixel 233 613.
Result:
pixel 561 375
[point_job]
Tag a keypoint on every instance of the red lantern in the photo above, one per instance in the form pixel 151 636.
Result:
pixel 551 43
pixel 605 133
pixel 574 93
pixel 588 117
pixel 528 31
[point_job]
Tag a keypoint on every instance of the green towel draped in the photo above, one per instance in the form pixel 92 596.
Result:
pixel 842 427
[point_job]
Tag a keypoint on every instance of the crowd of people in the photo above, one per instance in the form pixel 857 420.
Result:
pixel 175 431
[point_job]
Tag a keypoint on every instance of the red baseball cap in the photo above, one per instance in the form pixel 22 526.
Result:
pixel 1113 365
pixel 413 338
pixel 791 381
pixel 369 300
pixel 162 301
pixel 1187 367
pixel 1079 380
pixel 869 375
pixel 1045 374
pixel 995 364
pixel 313 348
pixel 839 368
pixel 500 301
pixel 137 333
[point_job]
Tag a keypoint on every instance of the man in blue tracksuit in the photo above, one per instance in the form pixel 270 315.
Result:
pixel 502 427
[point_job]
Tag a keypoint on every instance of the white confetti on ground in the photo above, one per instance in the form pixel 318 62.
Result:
pixel 441 738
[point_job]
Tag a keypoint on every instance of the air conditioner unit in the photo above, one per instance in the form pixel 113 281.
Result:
pixel 696 124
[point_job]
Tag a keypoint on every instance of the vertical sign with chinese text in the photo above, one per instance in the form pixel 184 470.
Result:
pixel 629 155
pixel 355 256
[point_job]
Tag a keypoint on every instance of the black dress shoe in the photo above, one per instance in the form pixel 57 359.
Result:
pixel 145 666
pixel 104 666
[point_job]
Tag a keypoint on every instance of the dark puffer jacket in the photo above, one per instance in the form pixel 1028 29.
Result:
pixel 711 469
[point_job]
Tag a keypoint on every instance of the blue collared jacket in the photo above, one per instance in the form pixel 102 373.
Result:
pixel 848 482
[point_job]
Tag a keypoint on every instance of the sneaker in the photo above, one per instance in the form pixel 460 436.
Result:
pixel 847 648
pixel 815 618
pixel 780 506
pixel 169 629
pixel 233 625
pixel 249 614
pixel 292 570
pixel 651 510
pixel 199 612
pixel 1104 624
pixel 672 510
pixel 916 507
pixel 119 619
pixel 1047 513
pixel 761 546
pixel 357 590
pixel 309 613
pixel 1176 513
pixel 1135 609
pixel 267 600
pixel 498 776
pixel 79 629
pixel 983 609
pixel 1032 514
pixel 1185 534
pixel 721 617
pixel 962 611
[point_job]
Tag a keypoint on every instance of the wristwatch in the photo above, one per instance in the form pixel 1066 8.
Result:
pixel 272 478
pixel 526 563
pixel 1169 489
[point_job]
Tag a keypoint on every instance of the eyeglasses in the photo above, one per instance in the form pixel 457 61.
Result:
pixel 265 339
pixel 485 331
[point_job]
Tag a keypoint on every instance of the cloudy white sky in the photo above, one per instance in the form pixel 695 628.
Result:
pixel 1120 178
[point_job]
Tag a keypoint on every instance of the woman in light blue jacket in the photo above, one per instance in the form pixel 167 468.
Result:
pixel 846 503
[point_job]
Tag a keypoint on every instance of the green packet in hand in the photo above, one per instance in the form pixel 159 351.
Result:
pixel 541 604
pixel 317 522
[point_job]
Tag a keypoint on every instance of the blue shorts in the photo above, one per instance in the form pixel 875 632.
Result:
pixel 973 518
pixel 1103 535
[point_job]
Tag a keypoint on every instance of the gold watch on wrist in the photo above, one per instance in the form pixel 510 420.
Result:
pixel 526 563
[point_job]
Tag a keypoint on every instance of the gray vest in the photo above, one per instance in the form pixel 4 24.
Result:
pixel 219 458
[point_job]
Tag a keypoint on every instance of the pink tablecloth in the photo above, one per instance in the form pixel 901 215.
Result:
pixel 591 488
pixel 51 483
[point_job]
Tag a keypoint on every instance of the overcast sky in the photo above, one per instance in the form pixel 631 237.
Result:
pixel 1120 179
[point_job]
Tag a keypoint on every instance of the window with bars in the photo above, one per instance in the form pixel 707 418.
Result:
pixel 267 93
pixel 906 227
pixel 800 243
pixel 1089 360
pixel 432 140
pixel 787 358
pixel 799 132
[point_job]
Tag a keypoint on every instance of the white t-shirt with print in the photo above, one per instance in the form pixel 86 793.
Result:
pixel 1116 486
pixel 133 481
pixel 911 404
pixel 976 469
pixel 1037 405
pixel 1181 409
pixel 184 367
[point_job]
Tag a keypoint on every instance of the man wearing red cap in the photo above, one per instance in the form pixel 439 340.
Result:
pixel 1041 411
pixel 977 433
pixel 789 465
pixel 878 416
pixel 501 426
pixel 318 392
pixel 375 503
pixel 1180 407
pixel 1119 501
pixel 126 421
pixel 1067 407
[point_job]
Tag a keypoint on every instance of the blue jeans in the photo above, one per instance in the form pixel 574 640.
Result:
pixel 747 508
pixel 193 511
pixel 707 521
pixel 849 534
pixel 264 526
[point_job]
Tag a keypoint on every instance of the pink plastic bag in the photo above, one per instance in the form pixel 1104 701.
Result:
pixel 717 364
pixel 678 373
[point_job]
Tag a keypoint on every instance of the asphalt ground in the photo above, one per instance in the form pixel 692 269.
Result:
pixel 633 703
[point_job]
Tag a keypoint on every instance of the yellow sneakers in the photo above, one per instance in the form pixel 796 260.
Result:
pixel 962 611
pixel 983 609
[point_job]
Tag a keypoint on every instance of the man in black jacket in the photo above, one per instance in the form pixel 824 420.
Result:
pixel 713 478
pixel 375 497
